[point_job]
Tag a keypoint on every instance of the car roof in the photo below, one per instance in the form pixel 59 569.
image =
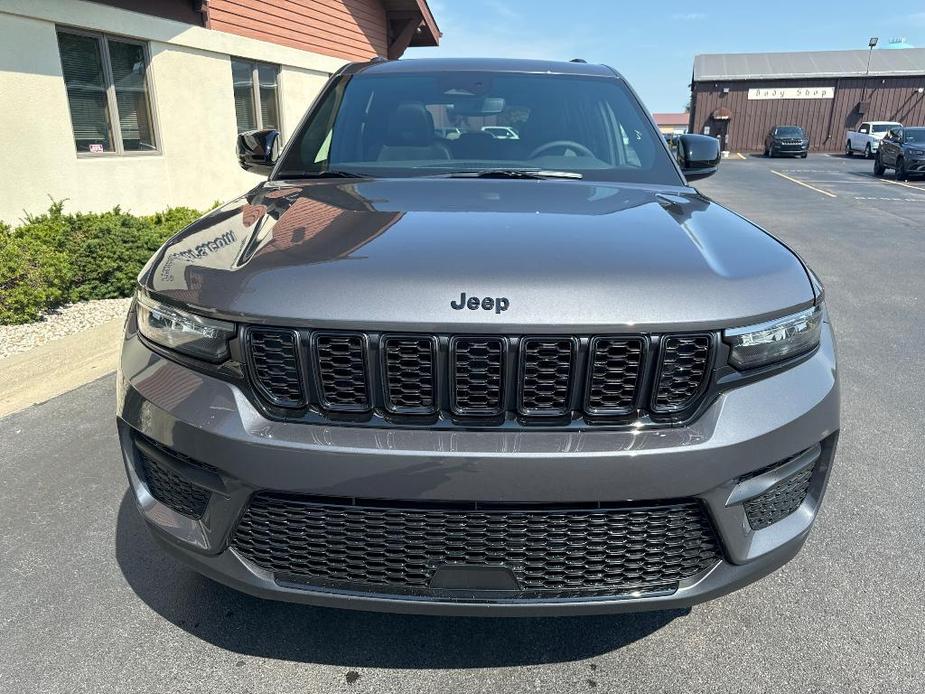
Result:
pixel 883 122
pixel 481 65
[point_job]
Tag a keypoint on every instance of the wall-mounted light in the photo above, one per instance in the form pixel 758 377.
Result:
pixel 920 90
pixel 725 90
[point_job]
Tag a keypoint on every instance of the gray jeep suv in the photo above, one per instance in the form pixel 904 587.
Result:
pixel 478 376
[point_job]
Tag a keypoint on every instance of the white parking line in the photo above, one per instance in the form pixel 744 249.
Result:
pixel 800 183
pixel 900 183
pixel 889 199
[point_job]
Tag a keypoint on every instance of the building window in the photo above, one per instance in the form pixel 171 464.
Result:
pixel 107 92
pixel 256 100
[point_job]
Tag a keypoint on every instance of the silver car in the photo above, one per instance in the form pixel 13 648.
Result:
pixel 479 376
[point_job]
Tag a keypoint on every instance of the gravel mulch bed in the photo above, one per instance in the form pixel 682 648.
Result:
pixel 60 323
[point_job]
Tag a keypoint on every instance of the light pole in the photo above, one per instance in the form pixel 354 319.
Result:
pixel 870 52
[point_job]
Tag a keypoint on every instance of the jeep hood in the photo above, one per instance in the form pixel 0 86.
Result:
pixel 393 254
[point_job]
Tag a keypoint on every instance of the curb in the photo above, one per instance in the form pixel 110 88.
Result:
pixel 57 367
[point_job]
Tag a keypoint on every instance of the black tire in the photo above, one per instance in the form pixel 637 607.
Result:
pixel 804 155
pixel 766 152
pixel 901 174
pixel 770 152
pixel 848 151
pixel 867 153
pixel 879 168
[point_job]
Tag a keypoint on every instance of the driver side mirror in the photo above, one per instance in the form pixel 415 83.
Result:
pixel 258 150
pixel 698 155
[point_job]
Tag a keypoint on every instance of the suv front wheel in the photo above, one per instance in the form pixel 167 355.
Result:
pixel 879 168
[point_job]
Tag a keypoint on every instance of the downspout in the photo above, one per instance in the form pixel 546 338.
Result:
pixel 828 130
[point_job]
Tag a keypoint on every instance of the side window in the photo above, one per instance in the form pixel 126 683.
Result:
pixel 106 80
pixel 256 98
pixel 864 129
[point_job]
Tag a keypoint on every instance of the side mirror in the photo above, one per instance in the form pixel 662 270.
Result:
pixel 258 150
pixel 698 155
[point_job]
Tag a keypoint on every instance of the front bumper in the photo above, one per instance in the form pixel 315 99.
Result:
pixel 746 429
pixel 915 166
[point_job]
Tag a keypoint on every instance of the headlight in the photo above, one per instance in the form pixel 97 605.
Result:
pixel 776 340
pixel 197 336
pixel 917 152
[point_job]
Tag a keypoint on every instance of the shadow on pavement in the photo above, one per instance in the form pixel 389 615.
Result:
pixel 252 626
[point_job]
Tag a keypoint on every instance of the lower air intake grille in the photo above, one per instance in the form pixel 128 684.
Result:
pixel 683 371
pixel 477 366
pixel 275 365
pixel 341 366
pixel 779 501
pixel 615 369
pixel 409 374
pixel 173 490
pixel 546 375
pixel 397 548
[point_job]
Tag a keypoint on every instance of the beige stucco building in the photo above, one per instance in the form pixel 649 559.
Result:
pixel 138 103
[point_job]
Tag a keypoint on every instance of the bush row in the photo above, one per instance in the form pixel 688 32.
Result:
pixel 57 258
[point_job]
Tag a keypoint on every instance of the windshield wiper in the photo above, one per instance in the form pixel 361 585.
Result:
pixel 512 173
pixel 327 173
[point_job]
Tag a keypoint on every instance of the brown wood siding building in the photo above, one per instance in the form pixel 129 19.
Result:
pixel 352 29
pixel 855 99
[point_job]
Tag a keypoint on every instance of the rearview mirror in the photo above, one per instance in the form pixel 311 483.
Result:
pixel 698 155
pixel 258 150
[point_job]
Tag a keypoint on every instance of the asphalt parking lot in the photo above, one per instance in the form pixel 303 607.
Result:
pixel 88 604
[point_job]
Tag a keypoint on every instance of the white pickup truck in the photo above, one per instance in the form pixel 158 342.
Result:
pixel 867 137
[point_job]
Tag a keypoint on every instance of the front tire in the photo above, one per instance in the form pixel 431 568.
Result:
pixel 867 153
pixel 848 151
pixel 901 174
pixel 804 155
pixel 879 168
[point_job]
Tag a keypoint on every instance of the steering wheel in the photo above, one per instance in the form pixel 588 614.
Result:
pixel 565 144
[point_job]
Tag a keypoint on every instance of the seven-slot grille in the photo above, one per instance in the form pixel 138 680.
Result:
pixel 384 546
pixel 480 376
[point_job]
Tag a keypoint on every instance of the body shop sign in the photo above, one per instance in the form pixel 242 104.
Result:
pixel 791 93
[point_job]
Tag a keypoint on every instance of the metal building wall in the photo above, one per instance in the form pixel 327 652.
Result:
pixel 826 120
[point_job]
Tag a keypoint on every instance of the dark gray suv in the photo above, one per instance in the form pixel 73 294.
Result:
pixel 485 376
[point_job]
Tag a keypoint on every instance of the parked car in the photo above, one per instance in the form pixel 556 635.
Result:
pixel 501 132
pixel 903 150
pixel 556 380
pixel 867 137
pixel 786 139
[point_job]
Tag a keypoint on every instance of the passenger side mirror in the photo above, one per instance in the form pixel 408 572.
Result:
pixel 258 150
pixel 698 155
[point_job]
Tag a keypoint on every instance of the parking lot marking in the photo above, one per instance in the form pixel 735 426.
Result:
pixel 800 183
pixel 889 199
pixel 900 183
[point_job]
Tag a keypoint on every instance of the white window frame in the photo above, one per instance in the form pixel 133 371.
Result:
pixel 114 125
pixel 255 91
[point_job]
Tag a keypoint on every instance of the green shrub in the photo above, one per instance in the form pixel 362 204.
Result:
pixel 54 258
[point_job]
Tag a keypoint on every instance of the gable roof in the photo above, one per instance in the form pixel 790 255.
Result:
pixel 741 66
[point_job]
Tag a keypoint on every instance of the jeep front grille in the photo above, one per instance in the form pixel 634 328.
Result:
pixel 456 379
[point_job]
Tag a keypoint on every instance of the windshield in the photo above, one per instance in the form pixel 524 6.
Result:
pixel 916 135
pixel 426 124
pixel 883 127
pixel 789 131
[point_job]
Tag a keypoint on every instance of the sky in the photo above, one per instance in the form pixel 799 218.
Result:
pixel 653 44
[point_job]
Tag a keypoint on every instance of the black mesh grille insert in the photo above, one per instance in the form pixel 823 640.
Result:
pixel 477 372
pixel 275 364
pixel 546 374
pixel 342 373
pixel 599 550
pixel 779 501
pixel 409 374
pixel 614 373
pixel 173 490
pixel 683 372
